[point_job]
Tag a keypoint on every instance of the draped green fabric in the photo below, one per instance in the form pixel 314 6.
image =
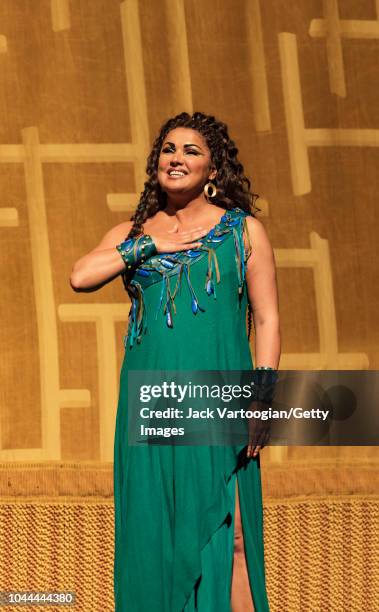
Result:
pixel 174 505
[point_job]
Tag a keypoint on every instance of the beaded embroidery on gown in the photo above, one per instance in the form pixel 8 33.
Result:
pixel 174 505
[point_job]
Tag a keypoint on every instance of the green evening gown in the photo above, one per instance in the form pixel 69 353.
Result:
pixel 174 505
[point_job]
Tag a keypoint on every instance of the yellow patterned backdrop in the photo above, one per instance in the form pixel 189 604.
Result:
pixel 84 87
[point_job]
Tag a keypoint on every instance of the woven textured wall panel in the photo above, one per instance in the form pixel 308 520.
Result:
pixel 321 555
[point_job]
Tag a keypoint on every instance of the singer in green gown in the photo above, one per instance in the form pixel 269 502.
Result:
pixel 174 505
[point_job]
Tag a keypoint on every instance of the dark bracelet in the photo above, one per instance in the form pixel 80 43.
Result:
pixel 136 250
pixel 265 379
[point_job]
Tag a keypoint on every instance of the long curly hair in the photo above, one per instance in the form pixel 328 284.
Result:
pixel 233 187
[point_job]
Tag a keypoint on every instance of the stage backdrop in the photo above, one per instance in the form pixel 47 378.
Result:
pixel 85 85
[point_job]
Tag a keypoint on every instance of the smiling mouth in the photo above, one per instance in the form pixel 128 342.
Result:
pixel 176 174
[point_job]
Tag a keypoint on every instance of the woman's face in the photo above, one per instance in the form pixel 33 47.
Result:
pixel 184 164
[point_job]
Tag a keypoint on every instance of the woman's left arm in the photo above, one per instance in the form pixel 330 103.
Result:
pixel 263 295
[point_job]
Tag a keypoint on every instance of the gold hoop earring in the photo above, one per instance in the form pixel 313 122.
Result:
pixel 210 186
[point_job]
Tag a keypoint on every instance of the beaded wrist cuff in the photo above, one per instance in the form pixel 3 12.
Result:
pixel 136 250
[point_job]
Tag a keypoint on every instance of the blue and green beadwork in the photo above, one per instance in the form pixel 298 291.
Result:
pixel 135 251
pixel 161 267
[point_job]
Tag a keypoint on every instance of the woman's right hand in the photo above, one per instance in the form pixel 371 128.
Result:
pixel 174 240
pixel 104 263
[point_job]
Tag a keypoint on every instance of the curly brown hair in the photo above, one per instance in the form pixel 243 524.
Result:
pixel 233 187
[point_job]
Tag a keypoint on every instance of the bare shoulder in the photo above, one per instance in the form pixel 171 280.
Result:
pixel 257 231
pixel 259 241
pixel 114 236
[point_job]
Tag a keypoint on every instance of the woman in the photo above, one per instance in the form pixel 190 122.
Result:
pixel 193 258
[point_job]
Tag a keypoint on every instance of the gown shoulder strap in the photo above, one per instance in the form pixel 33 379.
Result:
pixel 243 245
